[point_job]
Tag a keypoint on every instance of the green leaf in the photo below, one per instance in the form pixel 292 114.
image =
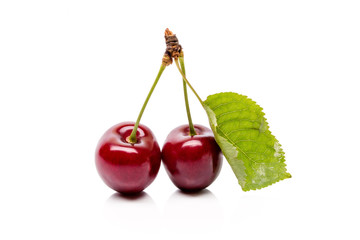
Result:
pixel 242 132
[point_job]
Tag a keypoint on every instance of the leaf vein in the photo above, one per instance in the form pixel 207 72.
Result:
pixel 225 113
pixel 238 120
pixel 226 103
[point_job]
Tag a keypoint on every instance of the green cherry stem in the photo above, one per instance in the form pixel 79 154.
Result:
pixel 191 125
pixel 187 82
pixel 132 139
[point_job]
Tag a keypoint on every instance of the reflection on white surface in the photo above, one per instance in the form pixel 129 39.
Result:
pixel 193 211
pixel 130 212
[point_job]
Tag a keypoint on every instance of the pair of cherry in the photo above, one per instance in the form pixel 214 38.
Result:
pixel 192 162
pixel 128 156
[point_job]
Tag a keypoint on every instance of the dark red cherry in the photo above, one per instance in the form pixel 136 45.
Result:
pixel 192 163
pixel 128 168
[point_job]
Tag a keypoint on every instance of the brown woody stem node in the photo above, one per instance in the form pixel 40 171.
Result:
pixel 173 48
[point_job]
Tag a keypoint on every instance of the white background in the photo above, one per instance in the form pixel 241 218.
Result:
pixel 71 69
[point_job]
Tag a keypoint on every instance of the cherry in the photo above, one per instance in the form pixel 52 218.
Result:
pixel 128 167
pixel 192 162
pixel 128 156
pixel 190 153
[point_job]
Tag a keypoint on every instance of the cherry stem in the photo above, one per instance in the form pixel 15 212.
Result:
pixel 132 139
pixel 187 82
pixel 191 125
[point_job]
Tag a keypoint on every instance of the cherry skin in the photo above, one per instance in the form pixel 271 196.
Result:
pixel 128 168
pixel 192 163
